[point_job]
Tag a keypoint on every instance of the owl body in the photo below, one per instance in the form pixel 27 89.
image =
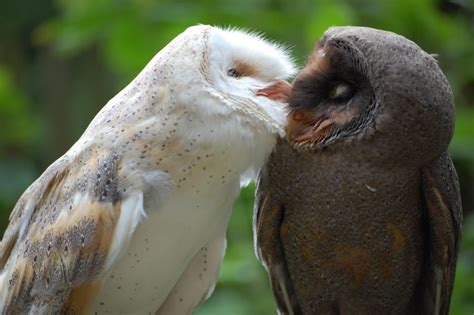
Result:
pixel 356 248
pixel 132 218
pixel 191 215
pixel 359 211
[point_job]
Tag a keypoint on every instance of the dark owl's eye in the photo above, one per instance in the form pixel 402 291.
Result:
pixel 232 72
pixel 341 91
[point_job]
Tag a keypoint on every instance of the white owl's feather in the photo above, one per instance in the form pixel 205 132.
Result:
pixel 273 59
pixel 132 213
pixel 118 222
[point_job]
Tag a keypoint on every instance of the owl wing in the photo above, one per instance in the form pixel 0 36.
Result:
pixel 63 234
pixel 444 215
pixel 268 217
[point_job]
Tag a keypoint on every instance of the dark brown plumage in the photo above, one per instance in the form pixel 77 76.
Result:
pixel 359 212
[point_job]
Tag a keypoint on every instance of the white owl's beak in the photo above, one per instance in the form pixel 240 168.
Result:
pixel 279 91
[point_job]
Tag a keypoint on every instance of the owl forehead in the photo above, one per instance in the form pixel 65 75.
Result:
pixel 250 52
pixel 332 60
pixel 379 49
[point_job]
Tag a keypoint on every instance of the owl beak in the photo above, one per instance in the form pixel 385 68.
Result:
pixel 304 128
pixel 279 91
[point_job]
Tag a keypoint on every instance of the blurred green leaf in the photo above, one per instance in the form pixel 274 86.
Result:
pixel 19 126
pixel 463 293
pixel 93 47
pixel 463 140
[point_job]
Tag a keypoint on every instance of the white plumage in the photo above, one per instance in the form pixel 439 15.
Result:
pixel 132 218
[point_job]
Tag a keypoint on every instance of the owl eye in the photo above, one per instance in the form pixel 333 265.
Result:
pixel 232 72
pixel 341 91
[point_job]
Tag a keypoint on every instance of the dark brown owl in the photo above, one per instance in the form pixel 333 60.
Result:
pixel 359 211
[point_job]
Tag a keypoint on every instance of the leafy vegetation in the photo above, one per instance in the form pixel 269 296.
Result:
pixel 61 60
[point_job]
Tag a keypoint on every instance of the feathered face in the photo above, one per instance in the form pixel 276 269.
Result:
pixel 228 72
pixel 241 64
pixel 332 98
pixel 247 72
pixel 358 81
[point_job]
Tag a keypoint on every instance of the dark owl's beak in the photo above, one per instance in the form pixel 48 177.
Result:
pixel 305 129
pixel 279 91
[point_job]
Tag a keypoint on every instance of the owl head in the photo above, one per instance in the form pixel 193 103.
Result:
pixel 362 86
pixel 218 73
pixel 212 84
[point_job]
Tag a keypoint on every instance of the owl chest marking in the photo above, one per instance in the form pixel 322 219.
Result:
pixel 194 210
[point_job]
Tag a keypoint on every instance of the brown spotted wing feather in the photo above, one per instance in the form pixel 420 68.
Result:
pixel 58 237
pixel 444 213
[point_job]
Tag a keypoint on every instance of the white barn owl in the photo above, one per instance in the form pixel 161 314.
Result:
pixel 132 218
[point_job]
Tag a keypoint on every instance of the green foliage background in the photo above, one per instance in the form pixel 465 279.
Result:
pixel 61 60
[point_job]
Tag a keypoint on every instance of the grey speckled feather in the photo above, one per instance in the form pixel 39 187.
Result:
pixel 359 211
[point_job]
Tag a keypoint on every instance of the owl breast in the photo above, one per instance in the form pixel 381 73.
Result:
pixel 163 245
pixel 205 168
pixel 363 237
